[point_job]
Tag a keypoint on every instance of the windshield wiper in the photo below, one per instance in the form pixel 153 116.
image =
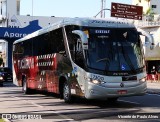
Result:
pixel 127 59
pixel 109 59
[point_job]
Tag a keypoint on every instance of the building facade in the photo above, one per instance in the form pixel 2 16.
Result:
pixel 148 4
pixel 10 18
pixel 151 24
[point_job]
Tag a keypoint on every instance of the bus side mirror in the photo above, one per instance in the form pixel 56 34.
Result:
pixel 152 46
pixel 149 38
pixel 83 37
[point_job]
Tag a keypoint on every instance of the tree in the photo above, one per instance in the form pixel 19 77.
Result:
pixel 150 14
pixel 148 2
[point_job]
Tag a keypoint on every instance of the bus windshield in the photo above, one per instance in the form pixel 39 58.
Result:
pixel 114 50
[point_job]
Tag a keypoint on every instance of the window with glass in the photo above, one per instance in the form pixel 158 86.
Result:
pixel 114 50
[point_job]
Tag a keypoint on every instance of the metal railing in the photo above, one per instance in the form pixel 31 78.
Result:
pixel 148 23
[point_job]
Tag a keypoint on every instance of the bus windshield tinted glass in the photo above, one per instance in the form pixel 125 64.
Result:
pixel 114 50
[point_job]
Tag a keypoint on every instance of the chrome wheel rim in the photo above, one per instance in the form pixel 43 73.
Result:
pixel 66 92
pixel 24 86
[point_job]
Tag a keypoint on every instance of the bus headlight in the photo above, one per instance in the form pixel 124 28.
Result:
pixel 95 81
pixel 142 80
pixel 98 82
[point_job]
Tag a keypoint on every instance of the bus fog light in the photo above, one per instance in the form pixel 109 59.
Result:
pixel 91 91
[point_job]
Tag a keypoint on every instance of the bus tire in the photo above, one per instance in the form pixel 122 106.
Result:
pixel 67 93
pixel 25 89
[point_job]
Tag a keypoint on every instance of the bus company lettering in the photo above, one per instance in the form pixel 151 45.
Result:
pixel 26 63
pixel 15 35
pixel 101 22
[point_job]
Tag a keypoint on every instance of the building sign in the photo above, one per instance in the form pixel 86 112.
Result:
pixel 16 33
pixel 126 11
pixel 13 35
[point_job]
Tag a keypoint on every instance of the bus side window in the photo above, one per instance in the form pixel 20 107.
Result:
pixel 56 41
pixel 51 42
pixel 18 48
pixel 28 48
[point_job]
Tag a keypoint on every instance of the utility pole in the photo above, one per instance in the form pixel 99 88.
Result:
pixel 32 7
pixel 103 5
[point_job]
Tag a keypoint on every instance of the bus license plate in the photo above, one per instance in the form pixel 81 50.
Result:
pixel 122 92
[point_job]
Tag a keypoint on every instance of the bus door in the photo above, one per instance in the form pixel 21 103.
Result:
pixel 79 60
pixel 78 65
pixel 81 44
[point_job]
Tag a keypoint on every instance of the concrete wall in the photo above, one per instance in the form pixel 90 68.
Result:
pixel 3 53
pixel 23 21
pixel 157 3
pixel 155 53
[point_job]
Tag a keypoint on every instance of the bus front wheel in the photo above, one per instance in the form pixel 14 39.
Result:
pixel 67 93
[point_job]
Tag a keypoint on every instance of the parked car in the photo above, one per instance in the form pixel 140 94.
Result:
pixel 5 75
pixel 1 81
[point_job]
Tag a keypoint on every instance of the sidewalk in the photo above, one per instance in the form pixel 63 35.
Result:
pixel 153 87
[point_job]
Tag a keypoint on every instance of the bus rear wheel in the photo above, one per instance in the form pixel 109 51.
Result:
pixel 25 89
pixel 67 93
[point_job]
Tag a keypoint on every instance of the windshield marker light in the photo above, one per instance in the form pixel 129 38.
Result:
pixel 87 33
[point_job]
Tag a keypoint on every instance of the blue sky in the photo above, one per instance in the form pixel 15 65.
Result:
pixel 66 8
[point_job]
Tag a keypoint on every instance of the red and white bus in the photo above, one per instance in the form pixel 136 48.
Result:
pixel 86 57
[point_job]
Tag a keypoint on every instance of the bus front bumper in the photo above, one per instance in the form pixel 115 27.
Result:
pixel 101 92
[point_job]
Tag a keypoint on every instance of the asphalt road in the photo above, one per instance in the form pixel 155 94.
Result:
pixel 50 108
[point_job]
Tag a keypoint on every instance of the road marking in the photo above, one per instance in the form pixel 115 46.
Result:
pixel 129 102
pixel 64 116
pixel 28 101
pixel 35 104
